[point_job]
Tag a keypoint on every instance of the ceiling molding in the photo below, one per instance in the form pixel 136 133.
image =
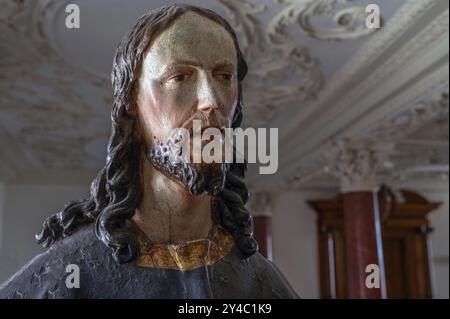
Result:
pixel 413 69
pixel 348 22
pixel 401 29
pixel 414 164
pixel 403 124
pixel 44 95
pixel 412 59
pixel 282 70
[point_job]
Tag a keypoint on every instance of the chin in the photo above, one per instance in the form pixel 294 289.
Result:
pixel 198 178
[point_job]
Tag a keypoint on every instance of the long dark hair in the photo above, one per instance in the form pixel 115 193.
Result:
pixel 117 190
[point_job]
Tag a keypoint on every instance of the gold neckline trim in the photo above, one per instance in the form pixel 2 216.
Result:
pixel 185 256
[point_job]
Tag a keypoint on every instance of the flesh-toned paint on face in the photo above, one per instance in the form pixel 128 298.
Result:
pixel 190 67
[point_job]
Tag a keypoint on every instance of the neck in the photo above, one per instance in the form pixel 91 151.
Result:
pixel 168 213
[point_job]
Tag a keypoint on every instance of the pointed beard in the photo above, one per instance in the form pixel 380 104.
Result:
pixel 198 178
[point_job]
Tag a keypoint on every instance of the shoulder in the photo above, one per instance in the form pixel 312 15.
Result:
pixel 268 272
pixel 254 276
pixel 45 275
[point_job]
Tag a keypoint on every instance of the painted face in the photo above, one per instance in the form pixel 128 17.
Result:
pixel 189 72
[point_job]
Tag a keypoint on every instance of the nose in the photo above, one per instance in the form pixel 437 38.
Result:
pixel 208 99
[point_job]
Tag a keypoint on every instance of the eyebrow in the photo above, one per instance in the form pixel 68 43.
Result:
pixel 176 63
pixel 188 62
pixel 224 65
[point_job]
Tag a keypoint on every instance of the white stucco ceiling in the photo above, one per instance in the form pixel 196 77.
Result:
pixel 305 64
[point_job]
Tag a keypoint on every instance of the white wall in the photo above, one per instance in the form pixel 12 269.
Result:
pixel 25 209
pixel 295 248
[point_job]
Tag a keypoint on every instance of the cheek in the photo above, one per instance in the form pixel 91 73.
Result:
pixel 163 110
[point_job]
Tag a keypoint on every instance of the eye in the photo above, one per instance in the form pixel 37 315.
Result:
pixel 227 77
pixel 179 77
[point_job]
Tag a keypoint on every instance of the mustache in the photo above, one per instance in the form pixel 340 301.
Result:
pixel 213 119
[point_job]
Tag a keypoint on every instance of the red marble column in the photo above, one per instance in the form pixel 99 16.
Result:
pixel 363 243
pixel 263 235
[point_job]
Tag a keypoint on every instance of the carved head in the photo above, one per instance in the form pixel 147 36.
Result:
pixel 189 72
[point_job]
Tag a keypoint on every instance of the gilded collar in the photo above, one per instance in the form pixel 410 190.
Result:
pixel 185 256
